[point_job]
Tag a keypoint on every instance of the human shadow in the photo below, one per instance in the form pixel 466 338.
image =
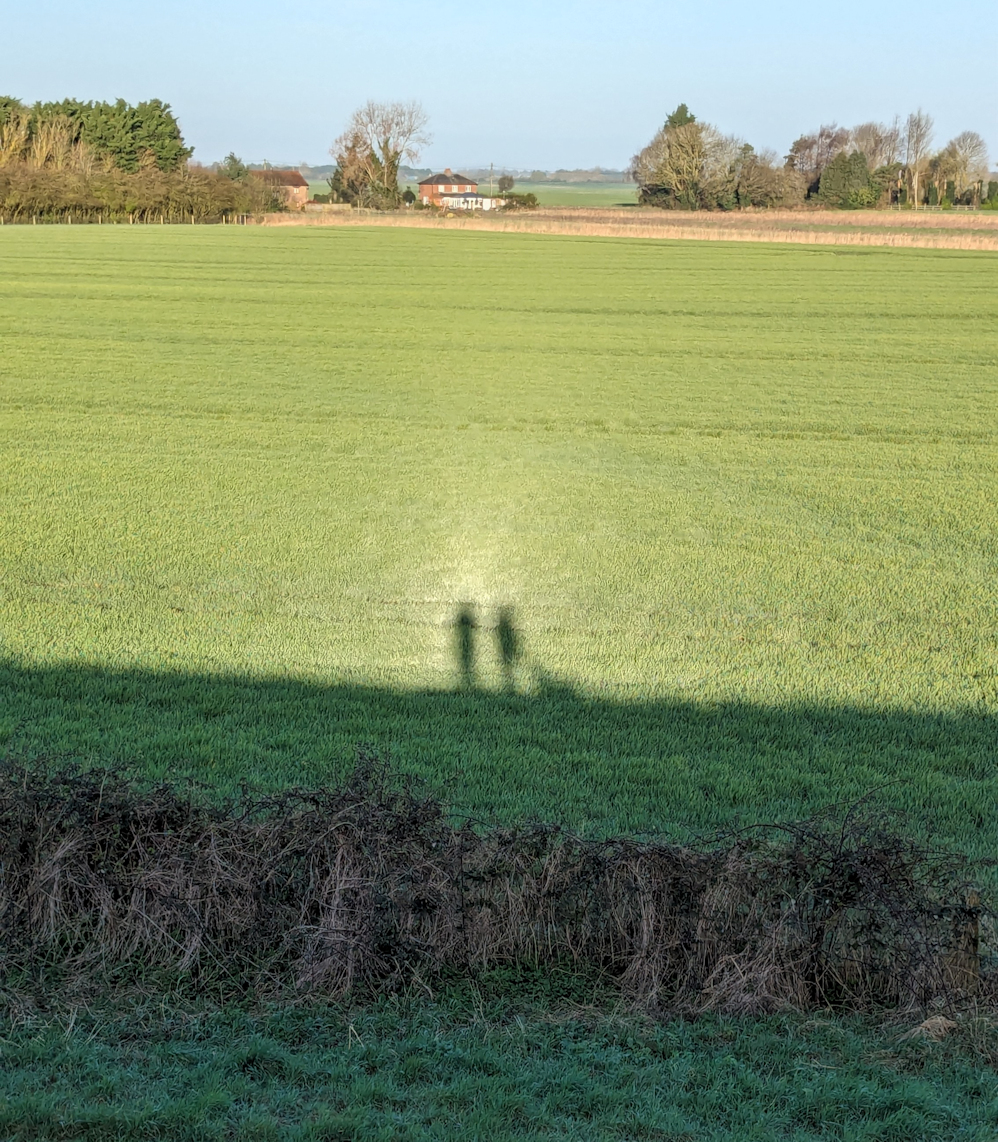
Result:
pixel 600 764
pixel 465 627
pixel 509 645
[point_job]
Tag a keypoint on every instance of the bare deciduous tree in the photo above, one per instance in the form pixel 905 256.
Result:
pixel 762 180
pixel 810 154
pixel 879 143
pixel 369 152
pixel 917 141
pixel 968 159
pixel 685 165
pixel 15 136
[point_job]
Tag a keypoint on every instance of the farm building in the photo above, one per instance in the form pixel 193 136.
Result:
pixel 454 191
pixel 292 184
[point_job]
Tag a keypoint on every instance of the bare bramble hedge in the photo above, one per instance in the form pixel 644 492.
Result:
pixel 368 886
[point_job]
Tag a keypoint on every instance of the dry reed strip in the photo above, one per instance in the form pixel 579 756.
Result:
pixel 797 219
pixel 813 228
pixel 370 886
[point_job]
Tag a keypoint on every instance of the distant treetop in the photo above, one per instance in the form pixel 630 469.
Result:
pixel 680 117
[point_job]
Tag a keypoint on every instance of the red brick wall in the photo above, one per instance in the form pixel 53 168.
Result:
pixel 434 192
pixel 295 195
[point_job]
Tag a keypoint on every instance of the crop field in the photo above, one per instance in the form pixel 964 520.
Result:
pixel 630 535
pixel 627 534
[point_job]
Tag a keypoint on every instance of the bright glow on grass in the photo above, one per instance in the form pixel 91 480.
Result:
pixel 739 503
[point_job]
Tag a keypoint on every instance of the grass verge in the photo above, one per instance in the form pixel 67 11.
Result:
pixel 511 1057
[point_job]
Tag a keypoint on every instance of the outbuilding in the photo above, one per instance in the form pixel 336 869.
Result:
pixel 291 184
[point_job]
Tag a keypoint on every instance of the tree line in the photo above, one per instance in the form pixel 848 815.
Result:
pixel 95 162
pixel 77 161
pixel 691 165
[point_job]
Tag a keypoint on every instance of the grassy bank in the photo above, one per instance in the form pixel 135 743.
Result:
pixel 509 1058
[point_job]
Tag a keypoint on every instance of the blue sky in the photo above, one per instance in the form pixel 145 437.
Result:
pixel 541 84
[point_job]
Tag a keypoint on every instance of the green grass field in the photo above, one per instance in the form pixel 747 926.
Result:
pixel 738 501
pixel 580 193
pixel 555 194
pixel 483 1067
pixel 720 523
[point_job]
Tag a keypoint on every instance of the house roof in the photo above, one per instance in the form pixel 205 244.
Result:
pixel 448 178
pixel 281 178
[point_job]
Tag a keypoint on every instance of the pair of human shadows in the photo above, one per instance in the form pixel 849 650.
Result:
pixel 509 644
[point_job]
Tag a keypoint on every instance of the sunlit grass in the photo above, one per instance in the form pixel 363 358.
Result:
pixel 701 477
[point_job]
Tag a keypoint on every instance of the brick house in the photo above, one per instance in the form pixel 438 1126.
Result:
pixel 291 184
pixel 433 189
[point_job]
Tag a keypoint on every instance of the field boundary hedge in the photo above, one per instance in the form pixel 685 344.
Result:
pixel 371 886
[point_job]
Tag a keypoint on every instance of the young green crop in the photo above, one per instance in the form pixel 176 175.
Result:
pixel 736 504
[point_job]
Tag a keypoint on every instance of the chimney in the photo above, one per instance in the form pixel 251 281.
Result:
pixel 447 170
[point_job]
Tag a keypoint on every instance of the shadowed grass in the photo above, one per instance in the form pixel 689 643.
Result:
pixel 601 766
pixel 486 1063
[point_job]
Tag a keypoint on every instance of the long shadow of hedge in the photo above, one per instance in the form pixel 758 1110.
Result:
pixel 598 765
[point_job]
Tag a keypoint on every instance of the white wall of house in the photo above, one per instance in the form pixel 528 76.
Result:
pixel 472 202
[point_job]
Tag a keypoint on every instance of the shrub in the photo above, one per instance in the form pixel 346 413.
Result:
pixel 370 886
pixel 520 202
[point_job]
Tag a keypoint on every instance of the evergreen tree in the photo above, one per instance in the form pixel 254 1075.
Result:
pixel 9 106
pixel 846 183
pixel 124 134
pixel 233 167
pixel 680 117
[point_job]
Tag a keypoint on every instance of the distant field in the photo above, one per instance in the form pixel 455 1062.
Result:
pixel 562 193
pixel 549 194
pixel 629 534
pixel 580 193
